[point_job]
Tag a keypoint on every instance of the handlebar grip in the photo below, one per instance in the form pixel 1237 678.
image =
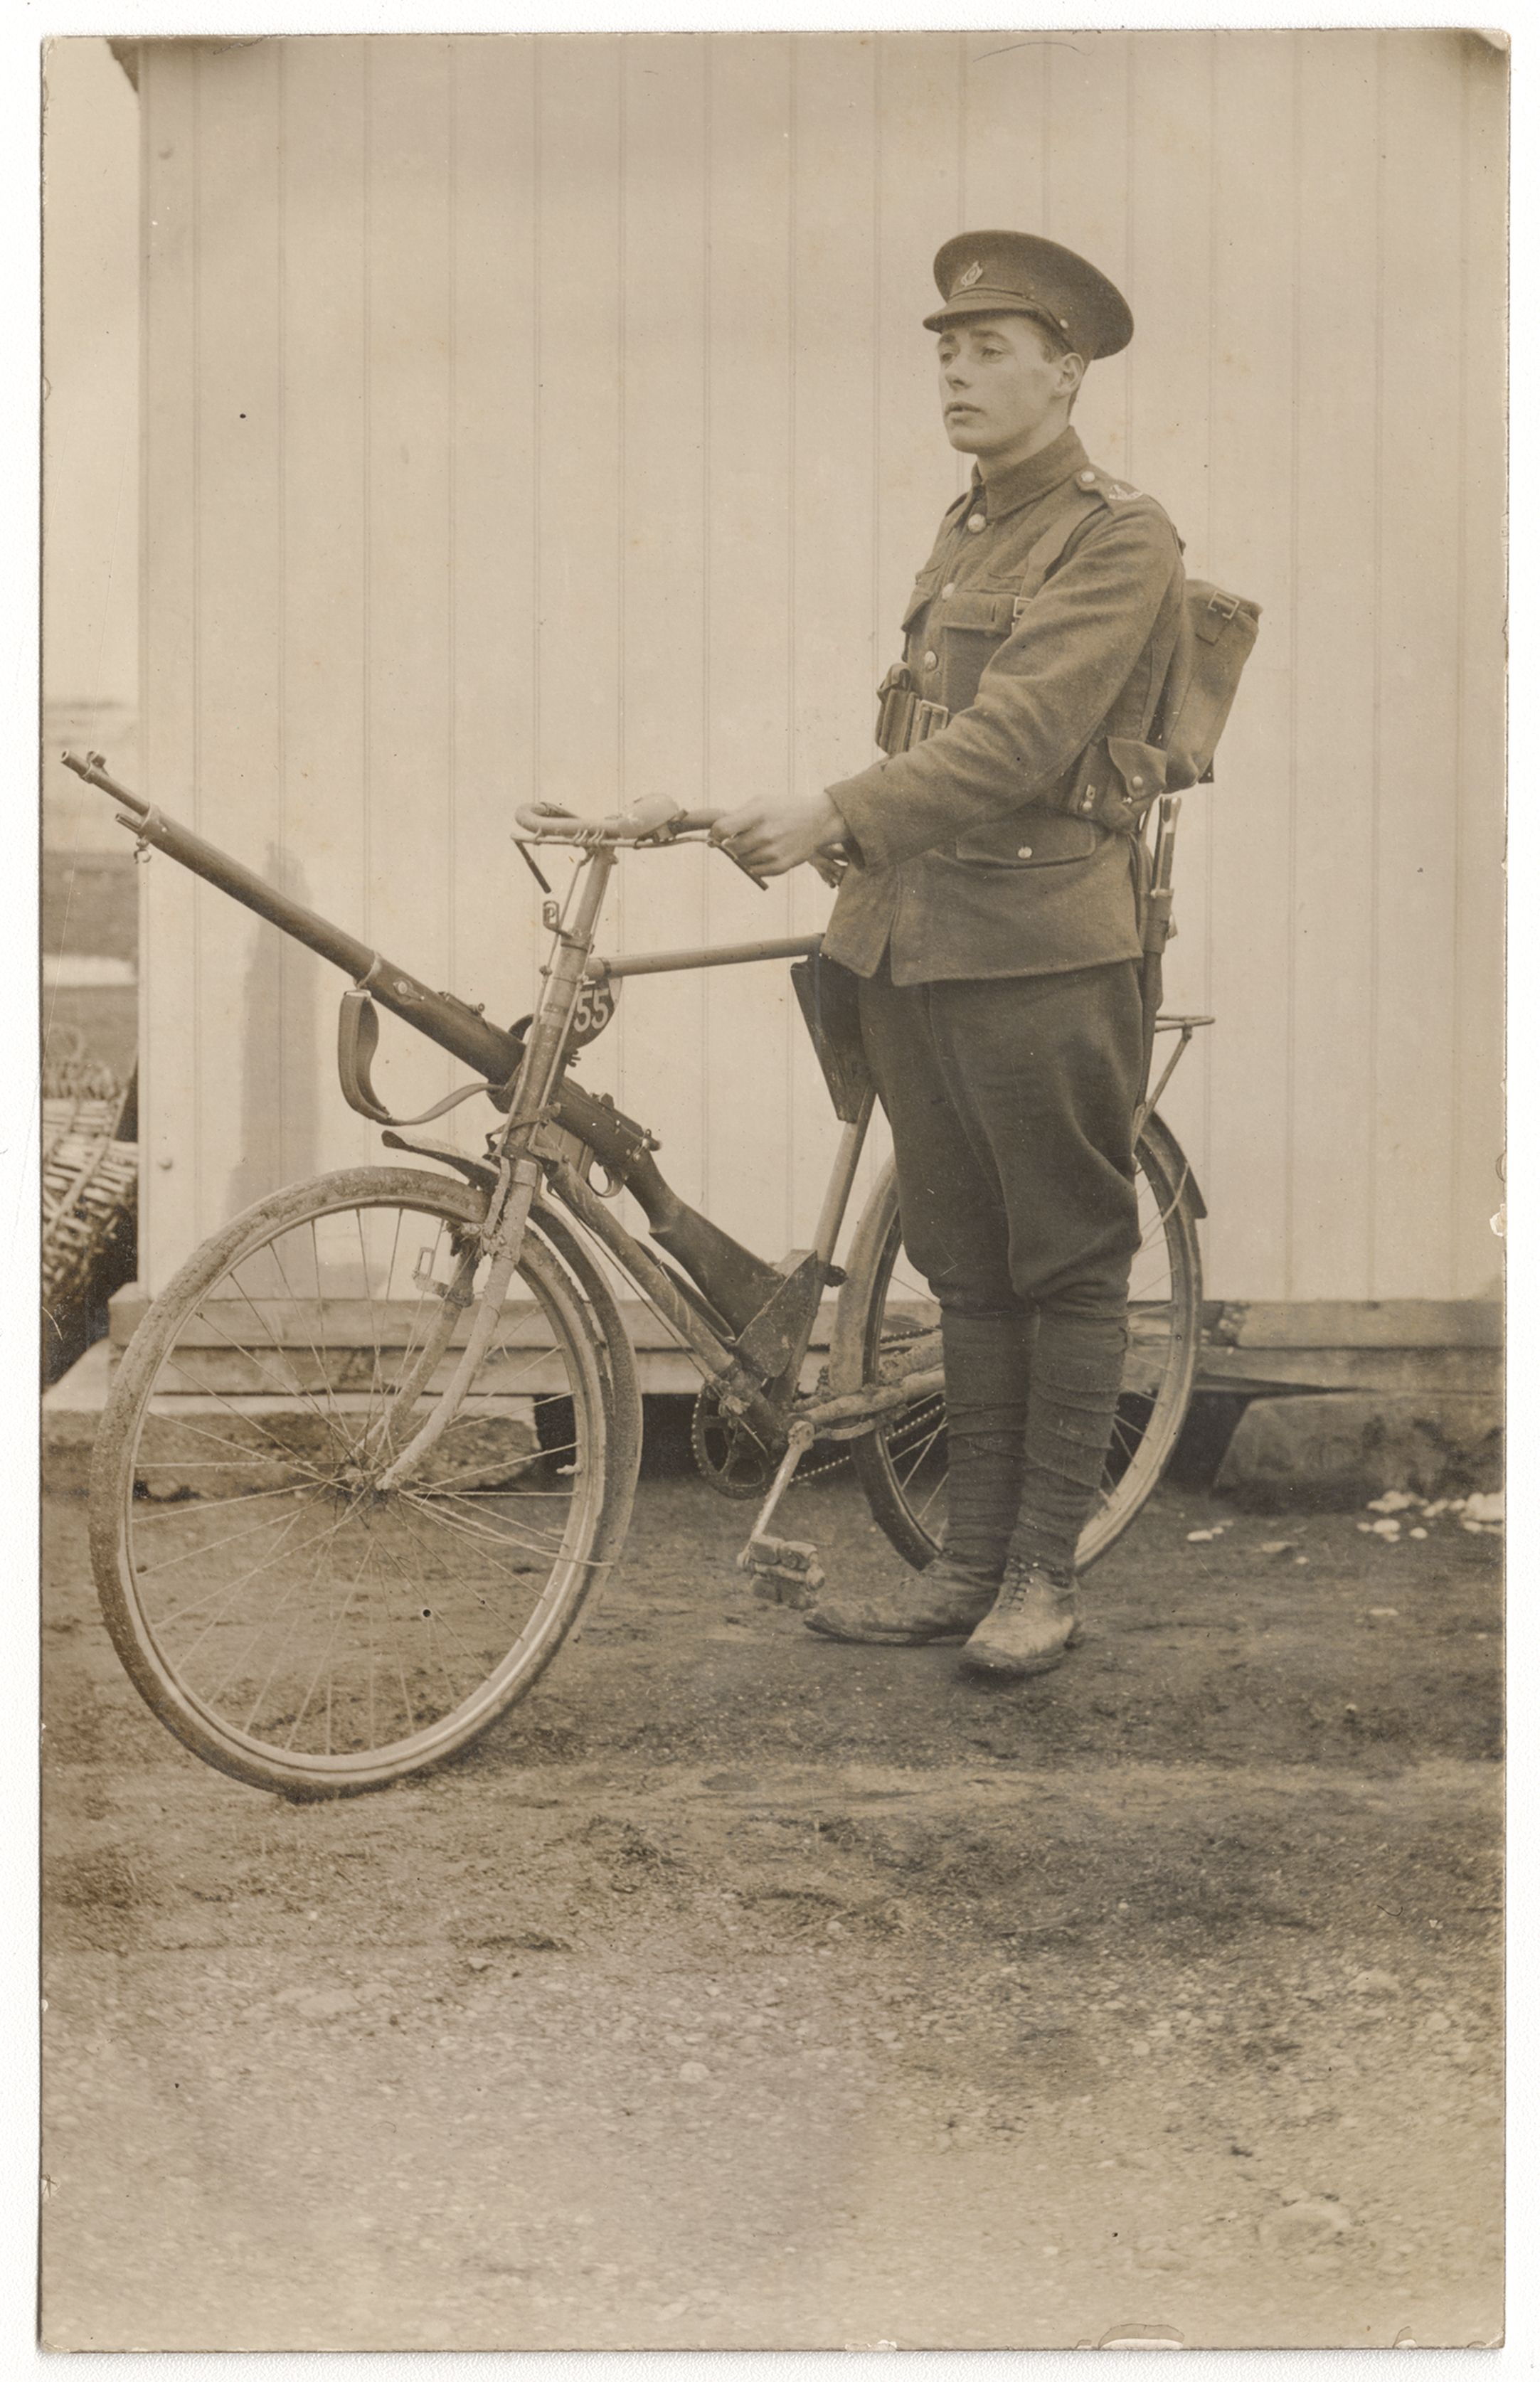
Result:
pixel 538 818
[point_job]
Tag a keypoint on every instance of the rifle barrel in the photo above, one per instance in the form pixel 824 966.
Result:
pixel 737 1282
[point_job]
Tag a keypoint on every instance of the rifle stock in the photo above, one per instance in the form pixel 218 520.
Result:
pixel 737 1283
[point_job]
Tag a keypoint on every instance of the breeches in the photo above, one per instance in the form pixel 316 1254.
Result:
pixel 1011 1101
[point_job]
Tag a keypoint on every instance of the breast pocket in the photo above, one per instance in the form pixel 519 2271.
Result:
pixel 966 631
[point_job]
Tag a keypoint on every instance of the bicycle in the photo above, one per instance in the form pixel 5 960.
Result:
pixel 372 1451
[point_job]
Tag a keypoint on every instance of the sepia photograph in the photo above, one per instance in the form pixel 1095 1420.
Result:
pixel 771 1133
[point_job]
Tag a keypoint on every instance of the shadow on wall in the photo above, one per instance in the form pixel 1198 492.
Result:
pixel 278 1054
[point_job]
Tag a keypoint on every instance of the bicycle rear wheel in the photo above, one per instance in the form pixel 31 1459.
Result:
pixel 888 1324
pixel 286 1618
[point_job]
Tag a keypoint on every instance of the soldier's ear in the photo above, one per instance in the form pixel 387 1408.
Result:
pixel 1072 370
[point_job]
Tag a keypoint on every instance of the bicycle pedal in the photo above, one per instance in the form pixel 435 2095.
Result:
pixel 785 1571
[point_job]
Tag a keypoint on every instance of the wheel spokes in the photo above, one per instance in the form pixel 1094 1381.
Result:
pixel 1162 1305
pixel 332 1618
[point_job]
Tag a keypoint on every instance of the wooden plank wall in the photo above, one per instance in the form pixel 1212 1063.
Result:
pixel 552 416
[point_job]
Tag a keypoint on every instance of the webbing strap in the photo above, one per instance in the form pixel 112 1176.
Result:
pixel 357 1040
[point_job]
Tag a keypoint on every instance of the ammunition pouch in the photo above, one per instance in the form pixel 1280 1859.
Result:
pixel 904 717
pixel 1117 780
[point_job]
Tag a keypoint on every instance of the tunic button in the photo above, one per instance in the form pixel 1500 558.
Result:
pixel 929 661
pixel 950 588
pixel 1088 479
pixel 1025 852
pixel 975 520
pixel 1135 783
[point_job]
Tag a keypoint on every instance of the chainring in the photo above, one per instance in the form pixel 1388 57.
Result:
pixel 727 1453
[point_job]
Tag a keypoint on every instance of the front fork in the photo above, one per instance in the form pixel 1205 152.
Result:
pixel 501 1234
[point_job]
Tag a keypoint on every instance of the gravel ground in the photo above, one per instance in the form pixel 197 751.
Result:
pixel 745 1990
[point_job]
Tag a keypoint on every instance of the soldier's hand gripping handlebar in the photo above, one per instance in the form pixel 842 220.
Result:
pixel 655 820
pixel 773 836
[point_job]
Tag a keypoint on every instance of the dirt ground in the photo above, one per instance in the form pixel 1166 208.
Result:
pixel 745 1990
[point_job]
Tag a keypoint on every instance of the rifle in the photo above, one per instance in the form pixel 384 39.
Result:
pixel 738 1285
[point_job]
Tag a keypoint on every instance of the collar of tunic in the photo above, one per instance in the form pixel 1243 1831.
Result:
pixel 1008 491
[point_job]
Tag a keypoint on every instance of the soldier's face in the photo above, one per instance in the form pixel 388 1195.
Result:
pixel 1000 393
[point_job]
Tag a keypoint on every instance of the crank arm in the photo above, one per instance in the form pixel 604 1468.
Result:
pixel 785 1571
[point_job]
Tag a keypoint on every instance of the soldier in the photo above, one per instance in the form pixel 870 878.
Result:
pixel 990 912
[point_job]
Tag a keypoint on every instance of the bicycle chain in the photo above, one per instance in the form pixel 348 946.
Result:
pixel 713 1474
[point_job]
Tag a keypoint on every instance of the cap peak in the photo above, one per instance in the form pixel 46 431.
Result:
pixel 1021 272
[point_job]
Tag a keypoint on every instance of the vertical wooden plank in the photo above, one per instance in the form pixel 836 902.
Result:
pixel 1008 131
pixel 913 470
pixel 1252 378
pixel 496 369
pixel 1326 617
pixel 579 415
pixel 326 620
pixel 580 429
pixel 660 545
pixel 241 565
pixel 1477 1127
pixel 1170 136
pixel 834 433
pixel 168 633
pixel 1412 1187
pixel 917 200
pixel 1086 114
pixel 411 863
pixel 749 688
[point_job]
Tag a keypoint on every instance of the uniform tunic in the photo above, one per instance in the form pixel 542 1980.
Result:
pixel 1045 621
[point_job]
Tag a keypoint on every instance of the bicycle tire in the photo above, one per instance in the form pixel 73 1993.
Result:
pixel 212 1413
pixel 901 1467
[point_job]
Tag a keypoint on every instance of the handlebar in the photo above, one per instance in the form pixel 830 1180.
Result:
pixel 656 820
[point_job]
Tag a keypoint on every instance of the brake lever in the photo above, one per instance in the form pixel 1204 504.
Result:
pixel 754 878
pixel 532 865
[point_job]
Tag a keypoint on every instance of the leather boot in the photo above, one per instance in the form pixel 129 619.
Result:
pixel 946 1600
pixel 1033 1624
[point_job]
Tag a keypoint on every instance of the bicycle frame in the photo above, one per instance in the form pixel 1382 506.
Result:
pixel 755 1371
pixel 747 1324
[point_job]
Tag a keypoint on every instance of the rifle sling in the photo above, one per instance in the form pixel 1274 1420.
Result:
pixel 357 1040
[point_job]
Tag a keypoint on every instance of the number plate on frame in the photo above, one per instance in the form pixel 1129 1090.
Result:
pixel 596 1006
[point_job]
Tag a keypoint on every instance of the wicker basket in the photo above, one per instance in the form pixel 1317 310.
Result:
pixel 70 1073
pixel 90 1199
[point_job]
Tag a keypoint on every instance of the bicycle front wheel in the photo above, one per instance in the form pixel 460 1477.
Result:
pixel 888 1324
pixel 288 1618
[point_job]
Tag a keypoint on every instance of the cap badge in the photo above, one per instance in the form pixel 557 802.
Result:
pixel 966 280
